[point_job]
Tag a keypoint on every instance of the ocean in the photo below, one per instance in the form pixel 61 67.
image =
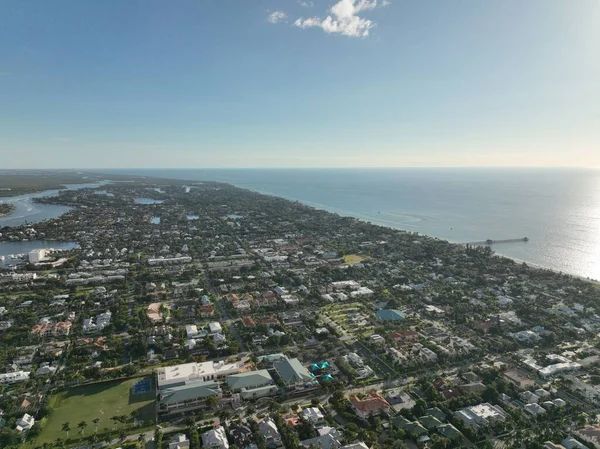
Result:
pixel 557 209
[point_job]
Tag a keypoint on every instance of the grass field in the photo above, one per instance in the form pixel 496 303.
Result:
pixel 353 258
pixel 102 401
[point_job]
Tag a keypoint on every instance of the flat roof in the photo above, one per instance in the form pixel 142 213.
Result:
pixel 181 373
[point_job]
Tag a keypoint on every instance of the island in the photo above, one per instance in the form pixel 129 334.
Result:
pixel 6 209
pixel 198 314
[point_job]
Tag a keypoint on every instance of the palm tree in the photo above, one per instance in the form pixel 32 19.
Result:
pixel 141 438
pixel 115 419
pixel 82 425
pixel 96 421
pixel 122 435
pixel 66 427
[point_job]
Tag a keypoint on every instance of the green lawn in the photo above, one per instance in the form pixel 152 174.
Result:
pixel 103 401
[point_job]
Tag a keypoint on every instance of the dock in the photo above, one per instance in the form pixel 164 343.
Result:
pixel 489 242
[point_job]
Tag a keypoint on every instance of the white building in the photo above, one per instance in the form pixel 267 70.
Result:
pixel 215 328
pixel 14 377
pixel 312 415
pixel 25 423
pixel 480 415
pixel 102 321
pixel 179 441
pixel 37 255
pixel 187 373
pixel 427 355
pixel 191 330
pixel 534 409
pixel 215 439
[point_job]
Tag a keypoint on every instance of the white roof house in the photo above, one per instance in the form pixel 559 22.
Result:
pixel 328 438
pixel 179 441
pixel 216 438
pixel 270 433
pixel 530 397
pixel 215 327
pixel 481 415
pixel 312 414
pixel 16 376
pixel 534 409
pixel 25 423
pixel 191 330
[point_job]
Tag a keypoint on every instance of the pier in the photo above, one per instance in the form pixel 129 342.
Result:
pixel 496 242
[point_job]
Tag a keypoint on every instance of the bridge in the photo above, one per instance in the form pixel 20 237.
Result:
pixel 489 242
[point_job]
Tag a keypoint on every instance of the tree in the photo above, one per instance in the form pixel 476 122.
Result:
pixel 82 425
pixel 212 402
pixel 141 440
pixel 66 427
pixel 96 421
pixel 224 415
pixel 490 394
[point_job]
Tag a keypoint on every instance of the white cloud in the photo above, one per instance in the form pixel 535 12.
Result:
pixel 277 16
pixel 344 18
pixel 385 2
pixel 308 4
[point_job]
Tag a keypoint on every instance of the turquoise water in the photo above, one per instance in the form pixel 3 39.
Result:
pixel 558 209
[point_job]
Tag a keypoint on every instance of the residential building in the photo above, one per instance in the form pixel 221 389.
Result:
pixel 215 328
pixel 179 441
pixel 215 439
pixel 374 404
pixel 241 435
pixel 427 355
pixel 313 415
pixel 14 377
pixel 329 438
pixel 25 423
pixel 480 415
pixel 270 433
pixel 534 409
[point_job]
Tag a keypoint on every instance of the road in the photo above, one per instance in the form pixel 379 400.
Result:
pixel 225 318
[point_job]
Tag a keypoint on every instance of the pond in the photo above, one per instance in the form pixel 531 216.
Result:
pixel 193 217
pixel 147 201
pixel 155 220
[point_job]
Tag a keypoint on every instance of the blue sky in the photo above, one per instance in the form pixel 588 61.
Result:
pixel 242 83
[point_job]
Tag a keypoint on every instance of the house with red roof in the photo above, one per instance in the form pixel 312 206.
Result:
pixel 372 405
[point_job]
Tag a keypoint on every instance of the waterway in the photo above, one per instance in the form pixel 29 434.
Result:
pixel 22 248
pixel 28 211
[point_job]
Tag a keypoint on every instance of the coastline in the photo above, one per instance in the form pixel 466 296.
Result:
pixel 382 223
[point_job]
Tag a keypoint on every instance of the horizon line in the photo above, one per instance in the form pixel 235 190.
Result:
pixel 470 167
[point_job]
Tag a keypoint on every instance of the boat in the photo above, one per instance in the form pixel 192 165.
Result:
pixel 525 239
